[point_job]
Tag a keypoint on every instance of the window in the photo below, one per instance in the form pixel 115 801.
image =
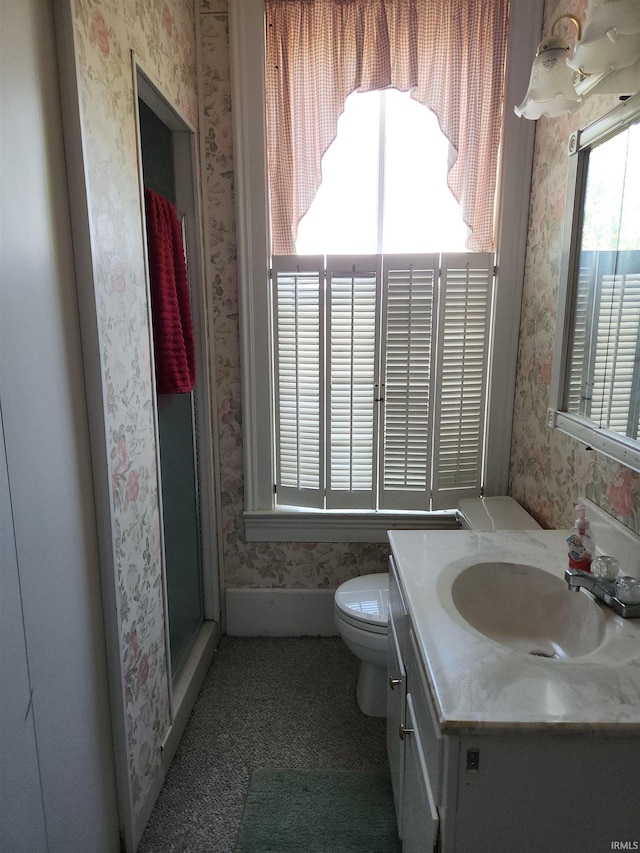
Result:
pixel 379 360
pixel 384 183
pixel 264 520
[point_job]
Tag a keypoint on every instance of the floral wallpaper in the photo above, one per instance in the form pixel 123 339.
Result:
pixel 247 564
pixel 549 470
pixel 162 35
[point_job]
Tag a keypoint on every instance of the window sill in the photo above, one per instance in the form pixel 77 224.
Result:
pixel 286 525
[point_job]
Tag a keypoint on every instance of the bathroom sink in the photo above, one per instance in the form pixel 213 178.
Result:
pixel 528 609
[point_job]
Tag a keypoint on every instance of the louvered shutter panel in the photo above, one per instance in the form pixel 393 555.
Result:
pixel 298 296
pixel 461 384
pixel 409 289
pixel 616 334
pixel 578 387
pixel 353 287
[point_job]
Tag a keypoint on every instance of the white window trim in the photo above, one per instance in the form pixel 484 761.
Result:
pixel 246 30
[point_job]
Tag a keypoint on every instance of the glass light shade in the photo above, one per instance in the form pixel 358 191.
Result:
pixel 551 86
pixel 611 37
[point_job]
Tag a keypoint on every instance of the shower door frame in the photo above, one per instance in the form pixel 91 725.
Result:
pixel 184 688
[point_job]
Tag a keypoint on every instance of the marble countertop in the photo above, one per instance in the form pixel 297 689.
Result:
pixel 479 684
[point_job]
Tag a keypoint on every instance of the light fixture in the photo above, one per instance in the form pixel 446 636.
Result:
pixel 611 38
pixel 552 90
pixel 606 60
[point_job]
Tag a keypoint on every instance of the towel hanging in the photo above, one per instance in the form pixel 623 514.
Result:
pixel 170 302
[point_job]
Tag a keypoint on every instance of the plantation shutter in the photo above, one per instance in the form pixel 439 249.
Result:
pixel 353 288
pixel 461 383
pixel 578 389
pixel 615 371
pixel 409 292
pixel 298 298
pixel 380 379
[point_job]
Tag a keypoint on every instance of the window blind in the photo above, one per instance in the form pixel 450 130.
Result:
pixel 408 308
pixel 352 359
pixel 606 340
pixel 298 285
pixel 461 378
pixel 617 326
pixel 380 379
pixel 578 394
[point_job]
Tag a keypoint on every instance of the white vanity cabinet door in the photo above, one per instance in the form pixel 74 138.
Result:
pixel 420 819
pixel 396 698
pixel 413 736
pixel 431 739
pixel 396 685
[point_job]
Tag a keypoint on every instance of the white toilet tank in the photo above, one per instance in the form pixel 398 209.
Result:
pixel 500 513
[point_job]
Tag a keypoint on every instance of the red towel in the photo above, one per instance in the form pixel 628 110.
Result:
pixel 171 308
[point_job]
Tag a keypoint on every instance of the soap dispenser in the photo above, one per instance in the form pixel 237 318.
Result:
pixel 581 545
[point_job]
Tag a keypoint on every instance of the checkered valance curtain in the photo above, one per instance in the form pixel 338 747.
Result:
pixel 450 55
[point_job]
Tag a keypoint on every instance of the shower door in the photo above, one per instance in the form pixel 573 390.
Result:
pixel 180 513
pixel 178 451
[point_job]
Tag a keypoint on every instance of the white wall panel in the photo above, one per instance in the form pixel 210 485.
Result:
pixel 47 454
pixel 22 825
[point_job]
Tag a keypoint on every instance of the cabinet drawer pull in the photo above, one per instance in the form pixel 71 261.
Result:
pixel 393 682
pixel 404 731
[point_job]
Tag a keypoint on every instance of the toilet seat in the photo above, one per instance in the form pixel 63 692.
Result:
pixel 363 602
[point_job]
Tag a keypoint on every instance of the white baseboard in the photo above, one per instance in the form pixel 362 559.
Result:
pixel 280 613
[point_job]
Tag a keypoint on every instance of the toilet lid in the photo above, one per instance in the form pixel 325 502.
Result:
pixel 365 599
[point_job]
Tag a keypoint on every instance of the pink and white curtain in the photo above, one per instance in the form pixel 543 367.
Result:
pixel 449 54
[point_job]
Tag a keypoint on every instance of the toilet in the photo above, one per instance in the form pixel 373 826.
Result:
pixel 361 614
pixel 361 604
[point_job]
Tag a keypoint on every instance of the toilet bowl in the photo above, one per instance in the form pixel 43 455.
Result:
pixel 361 611
pixel 361 604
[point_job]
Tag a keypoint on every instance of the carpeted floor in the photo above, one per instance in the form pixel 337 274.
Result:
pixel 287 703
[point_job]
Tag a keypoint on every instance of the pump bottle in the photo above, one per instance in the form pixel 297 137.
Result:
pixel 581 545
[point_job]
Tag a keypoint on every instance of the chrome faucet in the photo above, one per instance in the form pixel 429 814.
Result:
pixel 602 589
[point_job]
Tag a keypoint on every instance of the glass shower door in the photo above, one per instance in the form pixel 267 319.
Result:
pixel 180 509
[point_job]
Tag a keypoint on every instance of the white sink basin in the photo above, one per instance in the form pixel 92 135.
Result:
pixel 528 609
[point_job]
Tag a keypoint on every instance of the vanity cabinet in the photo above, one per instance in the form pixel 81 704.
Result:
pixel 462 786
pixel 412 746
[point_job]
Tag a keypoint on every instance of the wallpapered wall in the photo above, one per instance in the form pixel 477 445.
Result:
pixel 549 470
pixel 247 564
pixel 162 34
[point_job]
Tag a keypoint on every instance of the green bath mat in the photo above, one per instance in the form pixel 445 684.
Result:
pixel 318 811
